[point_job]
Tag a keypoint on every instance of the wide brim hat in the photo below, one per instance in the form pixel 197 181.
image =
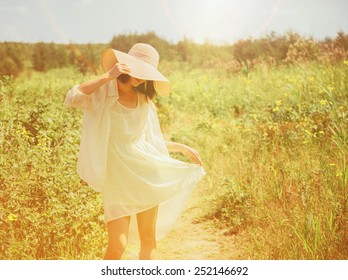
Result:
pixel 142 59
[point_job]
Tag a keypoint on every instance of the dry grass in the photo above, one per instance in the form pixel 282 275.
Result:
pixel 274 143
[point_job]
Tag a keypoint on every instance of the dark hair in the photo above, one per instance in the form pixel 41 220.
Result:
pixel 123 78
pixel 147 88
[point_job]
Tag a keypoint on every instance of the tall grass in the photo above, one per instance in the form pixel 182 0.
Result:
pixel 274 143
pixel 275 146
pixel 45 212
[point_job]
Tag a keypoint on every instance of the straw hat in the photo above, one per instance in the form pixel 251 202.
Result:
pixel 143 60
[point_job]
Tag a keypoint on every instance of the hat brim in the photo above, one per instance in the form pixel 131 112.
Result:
pixel 139 69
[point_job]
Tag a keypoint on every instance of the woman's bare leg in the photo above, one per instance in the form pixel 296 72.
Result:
pixel 117 238
pixel 147 232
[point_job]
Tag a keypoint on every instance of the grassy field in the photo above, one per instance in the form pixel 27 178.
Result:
pixel 274 141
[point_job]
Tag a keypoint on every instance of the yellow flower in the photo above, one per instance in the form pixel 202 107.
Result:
pixel 249 82
pixel 279 103
pixel 276 109
pixel 339 174
pixel 323 102
pixel 12 217
pixel 254 116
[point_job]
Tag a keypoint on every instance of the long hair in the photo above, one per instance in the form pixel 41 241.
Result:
pixel 147 88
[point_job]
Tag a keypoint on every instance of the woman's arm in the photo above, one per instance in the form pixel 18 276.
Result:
pixel 91 86
pixel 184 149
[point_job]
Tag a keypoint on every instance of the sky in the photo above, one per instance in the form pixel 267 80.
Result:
pixel 214 21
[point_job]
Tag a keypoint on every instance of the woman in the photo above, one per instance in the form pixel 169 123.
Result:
pixel 123 154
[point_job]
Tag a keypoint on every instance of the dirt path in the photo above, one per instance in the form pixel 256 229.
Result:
pixel 194 238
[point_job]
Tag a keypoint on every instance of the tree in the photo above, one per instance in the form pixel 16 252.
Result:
pixel 40 57
pixel 11 62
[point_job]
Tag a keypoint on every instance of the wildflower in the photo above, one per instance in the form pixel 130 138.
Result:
pixel 101 218
pixel 332 164
pixel 249 82
pixel 331 88
pixel 12 217
pixel 254 116
pixel 279 103
pixel 275 109
pixel 323 102
pixel 339 174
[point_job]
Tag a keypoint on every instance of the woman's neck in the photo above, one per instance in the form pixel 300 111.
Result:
pixel 127 95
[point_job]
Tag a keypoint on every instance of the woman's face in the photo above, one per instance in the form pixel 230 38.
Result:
pixel 136 82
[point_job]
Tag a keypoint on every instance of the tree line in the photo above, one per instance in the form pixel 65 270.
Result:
pixel 273 48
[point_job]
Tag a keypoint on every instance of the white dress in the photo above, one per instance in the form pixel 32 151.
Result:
pixel 140 173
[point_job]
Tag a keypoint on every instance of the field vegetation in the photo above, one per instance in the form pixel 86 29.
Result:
pixel 269 117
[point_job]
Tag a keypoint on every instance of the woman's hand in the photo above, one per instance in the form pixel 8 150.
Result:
pixel 91 86
pixel 117 70
pixel 192 154
pixel 186 150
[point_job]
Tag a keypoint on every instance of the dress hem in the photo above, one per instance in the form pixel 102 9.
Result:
pixel 187 184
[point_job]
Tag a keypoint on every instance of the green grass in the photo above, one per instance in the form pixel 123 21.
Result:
pixel 273 140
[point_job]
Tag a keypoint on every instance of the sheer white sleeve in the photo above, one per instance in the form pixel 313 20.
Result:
pixel 76 99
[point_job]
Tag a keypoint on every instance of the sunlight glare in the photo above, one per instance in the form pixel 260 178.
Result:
pixel 211 21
